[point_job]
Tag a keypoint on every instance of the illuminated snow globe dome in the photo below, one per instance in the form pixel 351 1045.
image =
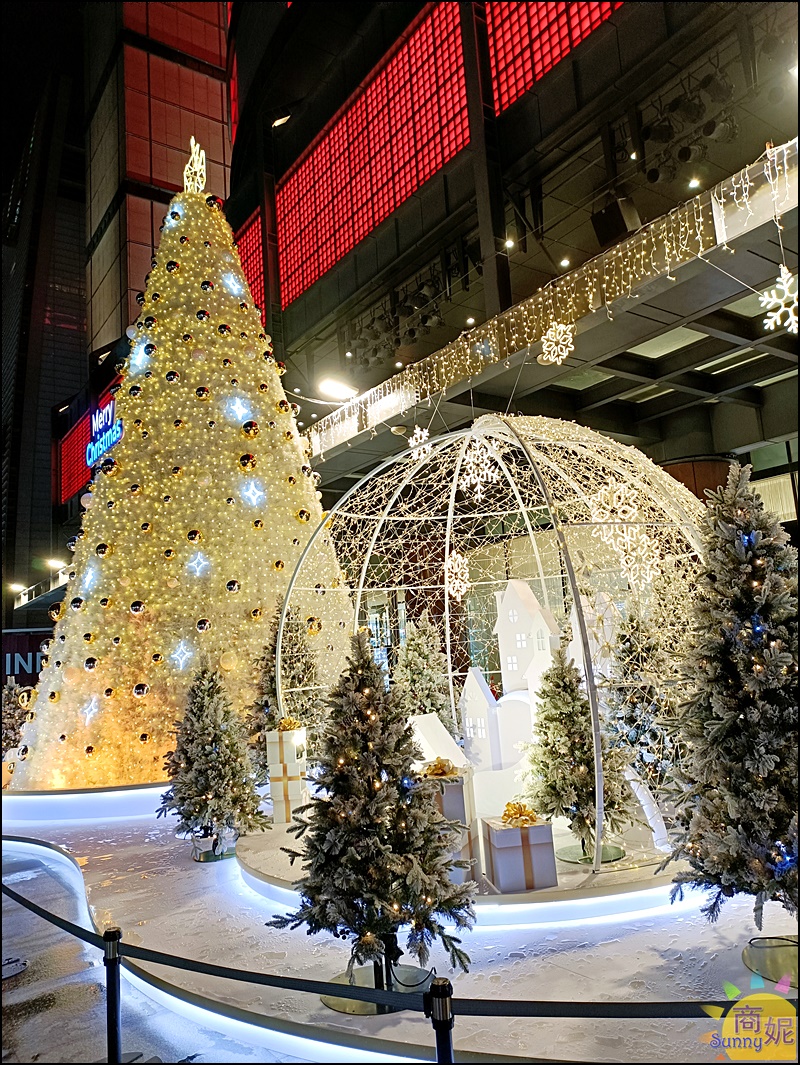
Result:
pixel 515 535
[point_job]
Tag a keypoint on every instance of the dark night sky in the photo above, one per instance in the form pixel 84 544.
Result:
pixel 38 37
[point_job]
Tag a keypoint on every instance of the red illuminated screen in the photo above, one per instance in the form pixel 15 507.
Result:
pixel 251 254
pixel 527 40
pixel 409 121
pixel 73 472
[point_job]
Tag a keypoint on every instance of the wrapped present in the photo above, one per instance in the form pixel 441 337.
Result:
pixel 285 746
pixel 288 790
pixel 470 850
pixel 519 857
pixel 456 800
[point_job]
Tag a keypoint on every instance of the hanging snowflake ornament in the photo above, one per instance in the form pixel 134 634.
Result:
pixel 620 526
pixel 419 449
pixel 457 576
pixel 477 470
pixel 780 301
pixel 194 173
pixel 557 343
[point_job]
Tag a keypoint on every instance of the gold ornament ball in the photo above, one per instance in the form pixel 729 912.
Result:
pixel 172 582
pixel 157 658
pixel 137 607
pixel 104 550
pixel 313 626
pixel 194 536
pixel 250 430
pixel 303 515
pixel 90 664
pixel 228 661
pixel 247 462
pixel 109 693
pixel 72 675
pixel 203 625
pixel 278 564
pixel 140 690
pixel 56 611
pixel 202 393
pixel 282 406
pixel 54 696
pixel 88 637
pixel 105 602
pixel 258 524
pixel 256 613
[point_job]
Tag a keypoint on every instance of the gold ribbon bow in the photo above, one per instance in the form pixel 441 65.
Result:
pixel 442 767
pixel 518 815
pixel 288 724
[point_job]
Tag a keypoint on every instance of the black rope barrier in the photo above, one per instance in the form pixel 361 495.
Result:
pixel 464 1007
pixel 59 922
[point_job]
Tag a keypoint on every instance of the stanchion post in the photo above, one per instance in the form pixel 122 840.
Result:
pixel 112 962
pixel 439 1007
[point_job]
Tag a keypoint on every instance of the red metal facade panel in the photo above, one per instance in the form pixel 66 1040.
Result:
pixel 251 253
pixel 527 40
pixel 72 471
pixel 408 123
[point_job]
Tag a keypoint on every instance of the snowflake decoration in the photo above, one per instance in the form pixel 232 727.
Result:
pixel 781 300
pixel 420 449
pixel 613 509
pixel 557 343
pixel 478 470
pixel 90 710
pixel 181 655
pixel 194 173
pixel 457 575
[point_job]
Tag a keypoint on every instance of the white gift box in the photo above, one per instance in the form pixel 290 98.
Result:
pixel 457 802
pixel 288 790
pixel 283 748
pixel 519 859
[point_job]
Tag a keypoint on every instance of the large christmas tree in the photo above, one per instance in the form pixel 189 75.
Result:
pixel 197 518
pixel 638 704
pixel 377 850
pixel 213 780
pixel 15 710
pixel 737 816
pixel 421 674
pixel 559 777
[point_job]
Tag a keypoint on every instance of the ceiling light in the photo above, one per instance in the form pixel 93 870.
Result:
pixel 333 389
pixel 717 86
pixel 657 175
pixel 348 354
pixel 509 242
pixel 470 321
pixel 634 155
pixel 694 183
pixel 313 416
pixel 723 129
pixel 55 563
pixel 793 70
pixel 565 263
pixel 297 391
pixel 399 365
pixel 17 587
pixel 280 121
pixel 301 424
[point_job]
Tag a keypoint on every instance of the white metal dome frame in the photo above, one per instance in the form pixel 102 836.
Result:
pixel 606 516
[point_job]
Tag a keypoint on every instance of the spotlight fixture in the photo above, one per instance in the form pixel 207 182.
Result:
pixel 659 175
pixel 690 108
pixel 692 153
pixel 694 183
pixel 718 87
pixel 348 354
pixel 55 563
pixel 16 587
pixel 661 132
pixel 634 155
pixel 470 321
pixel 564 263
pixel 398 365
pixel 723 129
pixel 509 243
pixel 334 389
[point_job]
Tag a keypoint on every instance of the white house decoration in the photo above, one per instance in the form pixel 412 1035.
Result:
pixel 525 632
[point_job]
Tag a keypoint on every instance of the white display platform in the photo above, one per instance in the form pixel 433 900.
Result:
pixel 91 804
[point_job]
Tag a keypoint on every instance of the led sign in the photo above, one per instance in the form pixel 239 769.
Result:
pixel 106 431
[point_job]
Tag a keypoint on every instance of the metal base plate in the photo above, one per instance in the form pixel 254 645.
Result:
pixel 13 967
pixel 575 854
pixel 413 980
pixel 209 856
pixel 772 957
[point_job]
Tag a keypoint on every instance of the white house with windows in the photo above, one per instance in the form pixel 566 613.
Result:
pixel 527 633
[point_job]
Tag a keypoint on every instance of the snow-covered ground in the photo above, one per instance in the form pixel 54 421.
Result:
pixel 140 877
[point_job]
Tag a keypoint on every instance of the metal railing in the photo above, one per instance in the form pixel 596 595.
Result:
pixel 437 1003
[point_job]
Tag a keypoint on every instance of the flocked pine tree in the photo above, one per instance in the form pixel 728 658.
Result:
pixel 421 674
pixel 213 779
pixel 197 518
pixel 639 704
pixel 737 817
pixel 299 687
pixel 14 713
pixel 377 852
pixel 559 777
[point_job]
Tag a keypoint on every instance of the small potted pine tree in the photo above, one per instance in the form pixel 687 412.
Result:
pixel 213 790
pixel 377 851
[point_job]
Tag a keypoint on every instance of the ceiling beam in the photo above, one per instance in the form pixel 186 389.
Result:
pixel 724 325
